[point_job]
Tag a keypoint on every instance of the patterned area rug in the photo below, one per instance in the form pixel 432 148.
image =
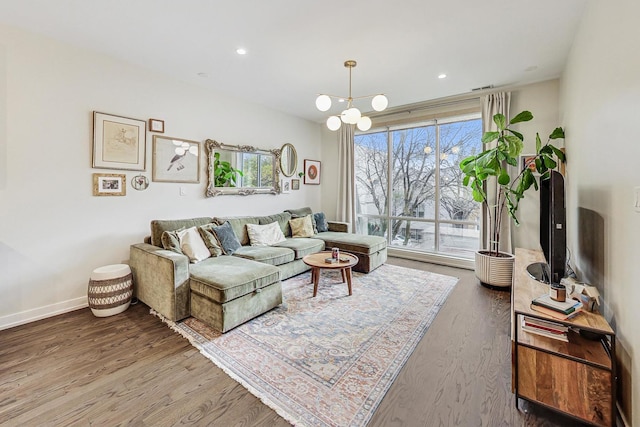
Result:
pixel 328 360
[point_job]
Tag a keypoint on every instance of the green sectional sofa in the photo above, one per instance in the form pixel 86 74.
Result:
pixel 227 290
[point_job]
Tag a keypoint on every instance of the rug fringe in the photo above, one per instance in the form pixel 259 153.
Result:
pixel 290 418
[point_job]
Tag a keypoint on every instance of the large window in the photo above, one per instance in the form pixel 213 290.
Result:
pixel 409 186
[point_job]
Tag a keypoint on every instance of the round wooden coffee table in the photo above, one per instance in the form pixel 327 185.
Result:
pixel 317 263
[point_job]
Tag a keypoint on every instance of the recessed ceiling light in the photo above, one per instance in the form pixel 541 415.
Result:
pixel 241 51
pixel 442 76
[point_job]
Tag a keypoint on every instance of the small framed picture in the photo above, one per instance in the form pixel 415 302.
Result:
pixel 175 160
pixel 156 125
pixel 528 160
pixel 109 184
pixel 311 171
pixel 285 186
pixel 295 184
pixel 119 142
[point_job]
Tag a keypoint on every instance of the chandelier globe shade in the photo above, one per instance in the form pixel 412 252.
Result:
pixel 351 114
pixel 364 124
pixel 379 102
pixel 323 102
pixel 334 123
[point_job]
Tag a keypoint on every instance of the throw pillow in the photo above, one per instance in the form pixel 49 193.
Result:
pixel 227 238
pixel 321 222
pixel 171 241
pixel 301 227
pixel 210 239
pixel 192 245
pixel 265 235
pixel 301 212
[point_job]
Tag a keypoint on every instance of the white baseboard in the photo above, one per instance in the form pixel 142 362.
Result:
pixel 40 313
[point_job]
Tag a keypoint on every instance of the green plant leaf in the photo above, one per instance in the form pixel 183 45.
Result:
pixel 504 178
pixel 524 116
pixel 538 142
pixel 515 145
pixel 549 162
pixel 559 153
pixel 500 120
pixel 490 136
pixel 557 133
pixel 516 134
pixel 512 161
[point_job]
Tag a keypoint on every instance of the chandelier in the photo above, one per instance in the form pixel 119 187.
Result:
pixel 351 114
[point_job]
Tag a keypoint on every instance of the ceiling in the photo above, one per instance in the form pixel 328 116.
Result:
pixel 296 48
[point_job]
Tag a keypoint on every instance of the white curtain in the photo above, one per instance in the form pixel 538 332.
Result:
pixel 346 178
pixel 493 104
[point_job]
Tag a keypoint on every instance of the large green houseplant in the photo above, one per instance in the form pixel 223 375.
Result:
pixel 501 161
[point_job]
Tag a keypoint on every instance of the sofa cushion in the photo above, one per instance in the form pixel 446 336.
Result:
pixel 357 243
pixel 267 254
pixel 225 278
pixel 158 226
pixel 265 235
pixel 238 224
pixel 210 239
pixel 321 222
pixel 171 241
pixel 298 213
pixel 301 227
pixel 302 246
pixel 227 238
pixel 192 245
pixel 281 218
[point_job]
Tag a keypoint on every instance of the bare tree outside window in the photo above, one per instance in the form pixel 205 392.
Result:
pixel 425 197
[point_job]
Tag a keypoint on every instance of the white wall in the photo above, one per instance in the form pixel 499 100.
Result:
pixel 600 108
pixel 53 232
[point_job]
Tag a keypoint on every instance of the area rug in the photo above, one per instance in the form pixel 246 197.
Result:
pixel 328 360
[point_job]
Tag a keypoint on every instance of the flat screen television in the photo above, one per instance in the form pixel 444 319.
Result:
pixel 553 231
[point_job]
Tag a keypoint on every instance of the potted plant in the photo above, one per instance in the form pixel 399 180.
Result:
pixel 493 267
pixel 224 174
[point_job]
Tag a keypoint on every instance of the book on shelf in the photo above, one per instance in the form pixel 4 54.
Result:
pixel 555 314
pixel 566 307
pixel 547 325
pixel 556 334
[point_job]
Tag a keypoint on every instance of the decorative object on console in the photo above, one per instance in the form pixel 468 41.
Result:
pixel 311 171
pixel 156 125
pixel 493 267
pixel 288 160
pixel 118 142
pixel 350 115
pixel 140 182
pixel 109 184
pixel 175 160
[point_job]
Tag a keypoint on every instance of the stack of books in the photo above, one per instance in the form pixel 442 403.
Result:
pixel 545 328
pixel 556 309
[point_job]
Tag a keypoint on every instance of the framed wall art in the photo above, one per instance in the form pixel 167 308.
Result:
pixel 285 185
pixel 528 159
pixel 295 184
pixel 156 125
pixel 119 142
pixel 311 171
pixel 109 184
pixel 175 160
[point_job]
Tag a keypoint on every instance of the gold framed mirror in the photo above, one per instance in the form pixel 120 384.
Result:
pixel 242 169
pixel 288 160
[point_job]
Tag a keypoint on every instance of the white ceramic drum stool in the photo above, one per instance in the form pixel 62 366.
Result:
pixel 110 290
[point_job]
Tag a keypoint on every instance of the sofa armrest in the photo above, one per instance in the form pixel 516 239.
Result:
pixel 339 226
pixel 161 279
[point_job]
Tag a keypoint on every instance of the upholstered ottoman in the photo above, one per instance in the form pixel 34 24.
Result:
pixel 227 291
pixel 370 250
pixel 110 290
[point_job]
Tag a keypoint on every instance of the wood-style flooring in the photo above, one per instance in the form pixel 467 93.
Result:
pixel 131 369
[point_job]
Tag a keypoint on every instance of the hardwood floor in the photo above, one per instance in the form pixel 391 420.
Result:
pixel 76 369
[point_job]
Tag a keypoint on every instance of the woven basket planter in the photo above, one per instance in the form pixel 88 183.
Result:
pixel 495 270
